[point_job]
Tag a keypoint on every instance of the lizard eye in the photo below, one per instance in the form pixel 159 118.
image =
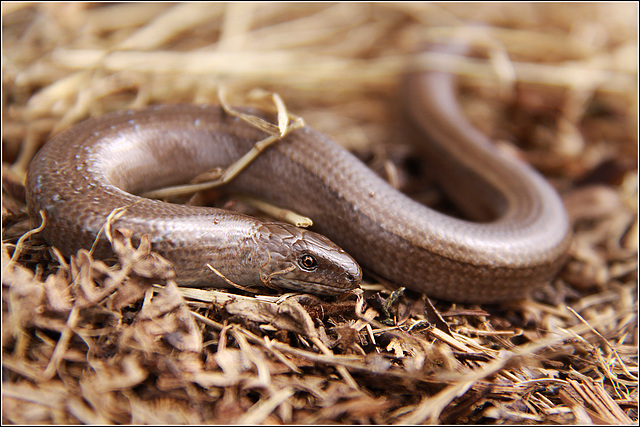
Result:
pixel 308 262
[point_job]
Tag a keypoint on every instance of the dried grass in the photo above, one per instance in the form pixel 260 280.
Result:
pixel 86 343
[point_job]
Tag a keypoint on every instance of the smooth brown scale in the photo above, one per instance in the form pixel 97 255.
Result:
pixel 80 176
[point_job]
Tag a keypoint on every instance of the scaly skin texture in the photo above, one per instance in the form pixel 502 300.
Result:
pixel 85 172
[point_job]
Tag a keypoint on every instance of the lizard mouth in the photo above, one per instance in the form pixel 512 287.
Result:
pixel 315 287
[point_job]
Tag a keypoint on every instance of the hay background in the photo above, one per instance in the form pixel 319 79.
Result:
pixel 562 84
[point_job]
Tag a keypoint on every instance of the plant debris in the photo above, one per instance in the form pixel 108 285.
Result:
pixel 97 341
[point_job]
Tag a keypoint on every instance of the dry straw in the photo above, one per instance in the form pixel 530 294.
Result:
pixel 85 341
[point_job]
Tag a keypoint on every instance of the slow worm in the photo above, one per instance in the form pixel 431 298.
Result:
pixel 85 172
